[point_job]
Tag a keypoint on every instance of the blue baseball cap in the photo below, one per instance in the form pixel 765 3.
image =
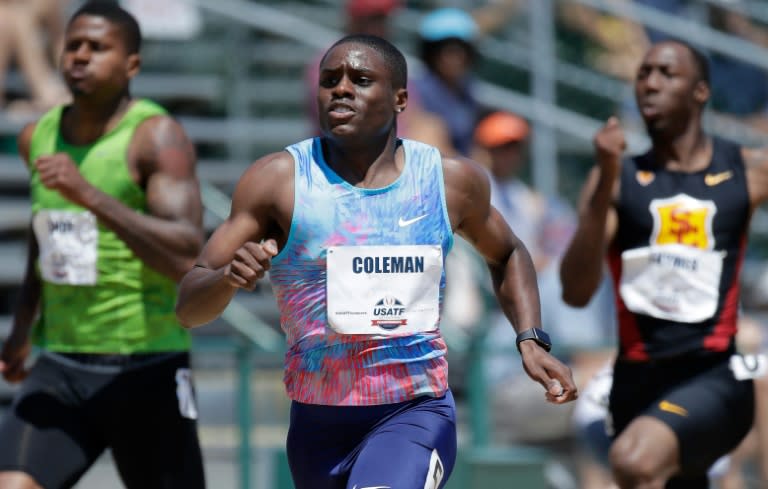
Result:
pixel 448 23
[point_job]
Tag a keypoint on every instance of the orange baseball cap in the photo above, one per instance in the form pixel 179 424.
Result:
pixel 501 128
pixel 365 8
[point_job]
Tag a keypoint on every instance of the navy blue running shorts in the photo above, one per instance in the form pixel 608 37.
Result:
pixel 408 445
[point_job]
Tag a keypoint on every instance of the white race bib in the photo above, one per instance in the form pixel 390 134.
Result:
pixel 674 282
pixel 384 290
pixel 68 246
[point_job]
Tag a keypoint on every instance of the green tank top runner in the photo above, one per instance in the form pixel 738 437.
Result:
pixel 97 295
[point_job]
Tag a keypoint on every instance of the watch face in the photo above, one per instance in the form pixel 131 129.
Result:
pixel 543 336
pixel 536 334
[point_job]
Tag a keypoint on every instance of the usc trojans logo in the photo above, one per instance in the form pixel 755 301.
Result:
pixel 683 220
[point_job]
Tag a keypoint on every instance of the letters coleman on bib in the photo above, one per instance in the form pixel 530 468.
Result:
pixel 674 282
pixel 68 244
pixel 384 290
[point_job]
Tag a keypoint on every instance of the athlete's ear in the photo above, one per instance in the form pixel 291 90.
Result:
pixel 701 92
pixel 133 65
pixel 401 99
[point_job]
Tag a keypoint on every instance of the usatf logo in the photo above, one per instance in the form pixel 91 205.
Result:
pixel 389 313
pixel 683 220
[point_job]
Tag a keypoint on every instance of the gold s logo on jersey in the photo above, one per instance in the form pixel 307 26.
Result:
pixel 683 220
pixel 644 177
pixel 712 179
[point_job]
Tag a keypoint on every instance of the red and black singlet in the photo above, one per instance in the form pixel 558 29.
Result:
pixel 677 255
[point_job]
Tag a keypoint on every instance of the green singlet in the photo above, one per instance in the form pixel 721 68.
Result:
pixel 97 295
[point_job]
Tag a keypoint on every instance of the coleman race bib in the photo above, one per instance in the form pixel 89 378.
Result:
pixel 383 290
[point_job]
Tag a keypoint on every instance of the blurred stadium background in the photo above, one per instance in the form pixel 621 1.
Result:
pixel 232 72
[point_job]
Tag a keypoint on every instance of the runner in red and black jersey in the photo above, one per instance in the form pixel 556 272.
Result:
pixel 672 225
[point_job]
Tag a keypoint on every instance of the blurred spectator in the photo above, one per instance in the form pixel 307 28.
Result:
pixel 374 17
pixel 495 14
pixel 544 224
pixel 51 17
pixel 370 17
pixel 739 88
pixel 616 43
pixel 672 7
pixel 447 38
pixel 23 41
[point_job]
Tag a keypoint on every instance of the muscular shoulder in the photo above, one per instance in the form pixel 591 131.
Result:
pixel 464 175
pixel 272 167
pixel 267 180
pixel 157 125
pixel 467 188
pixel 161 143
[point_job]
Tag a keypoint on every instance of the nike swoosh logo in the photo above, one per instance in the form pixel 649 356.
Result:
pixel 673 408
pixel 712 179
pixel 403 223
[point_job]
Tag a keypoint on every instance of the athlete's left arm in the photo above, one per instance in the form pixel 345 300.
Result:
pixel 169 236
pixel 512 271
pixel 756 162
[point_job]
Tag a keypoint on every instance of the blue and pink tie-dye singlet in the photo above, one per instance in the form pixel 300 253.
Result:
pixel 321 365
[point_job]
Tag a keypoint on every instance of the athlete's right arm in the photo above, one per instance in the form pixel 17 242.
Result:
pixel 16 347
pixel 581 269
pixel 239 252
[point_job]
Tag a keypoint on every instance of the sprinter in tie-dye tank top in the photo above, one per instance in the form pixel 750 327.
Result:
pixel 355 226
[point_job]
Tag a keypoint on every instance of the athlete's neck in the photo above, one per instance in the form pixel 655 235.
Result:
pixel 687 151
pixel 85 121
pixel 371 164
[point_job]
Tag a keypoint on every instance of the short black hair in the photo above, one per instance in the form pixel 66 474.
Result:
pixel 395 60
pixel 700 60
pixel 111 10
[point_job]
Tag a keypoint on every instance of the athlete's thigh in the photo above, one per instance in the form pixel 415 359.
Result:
pixel 153 429
pixel 710 415
pixel 46 432
pixel 649 442
pixel 416 449
pixel 320 440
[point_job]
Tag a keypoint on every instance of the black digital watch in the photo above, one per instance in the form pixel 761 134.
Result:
pixel 536 334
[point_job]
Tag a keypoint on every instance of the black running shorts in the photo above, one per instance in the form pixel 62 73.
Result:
pixel 699 399
pixel 74 406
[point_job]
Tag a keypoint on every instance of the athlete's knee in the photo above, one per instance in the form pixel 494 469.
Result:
pixel 632 469
pixel 17 480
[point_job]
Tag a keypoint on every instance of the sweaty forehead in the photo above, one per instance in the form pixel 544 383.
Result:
pixel 355 55
pixel 670 54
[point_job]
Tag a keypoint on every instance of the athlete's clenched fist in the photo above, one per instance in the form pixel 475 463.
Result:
pixel 250 264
